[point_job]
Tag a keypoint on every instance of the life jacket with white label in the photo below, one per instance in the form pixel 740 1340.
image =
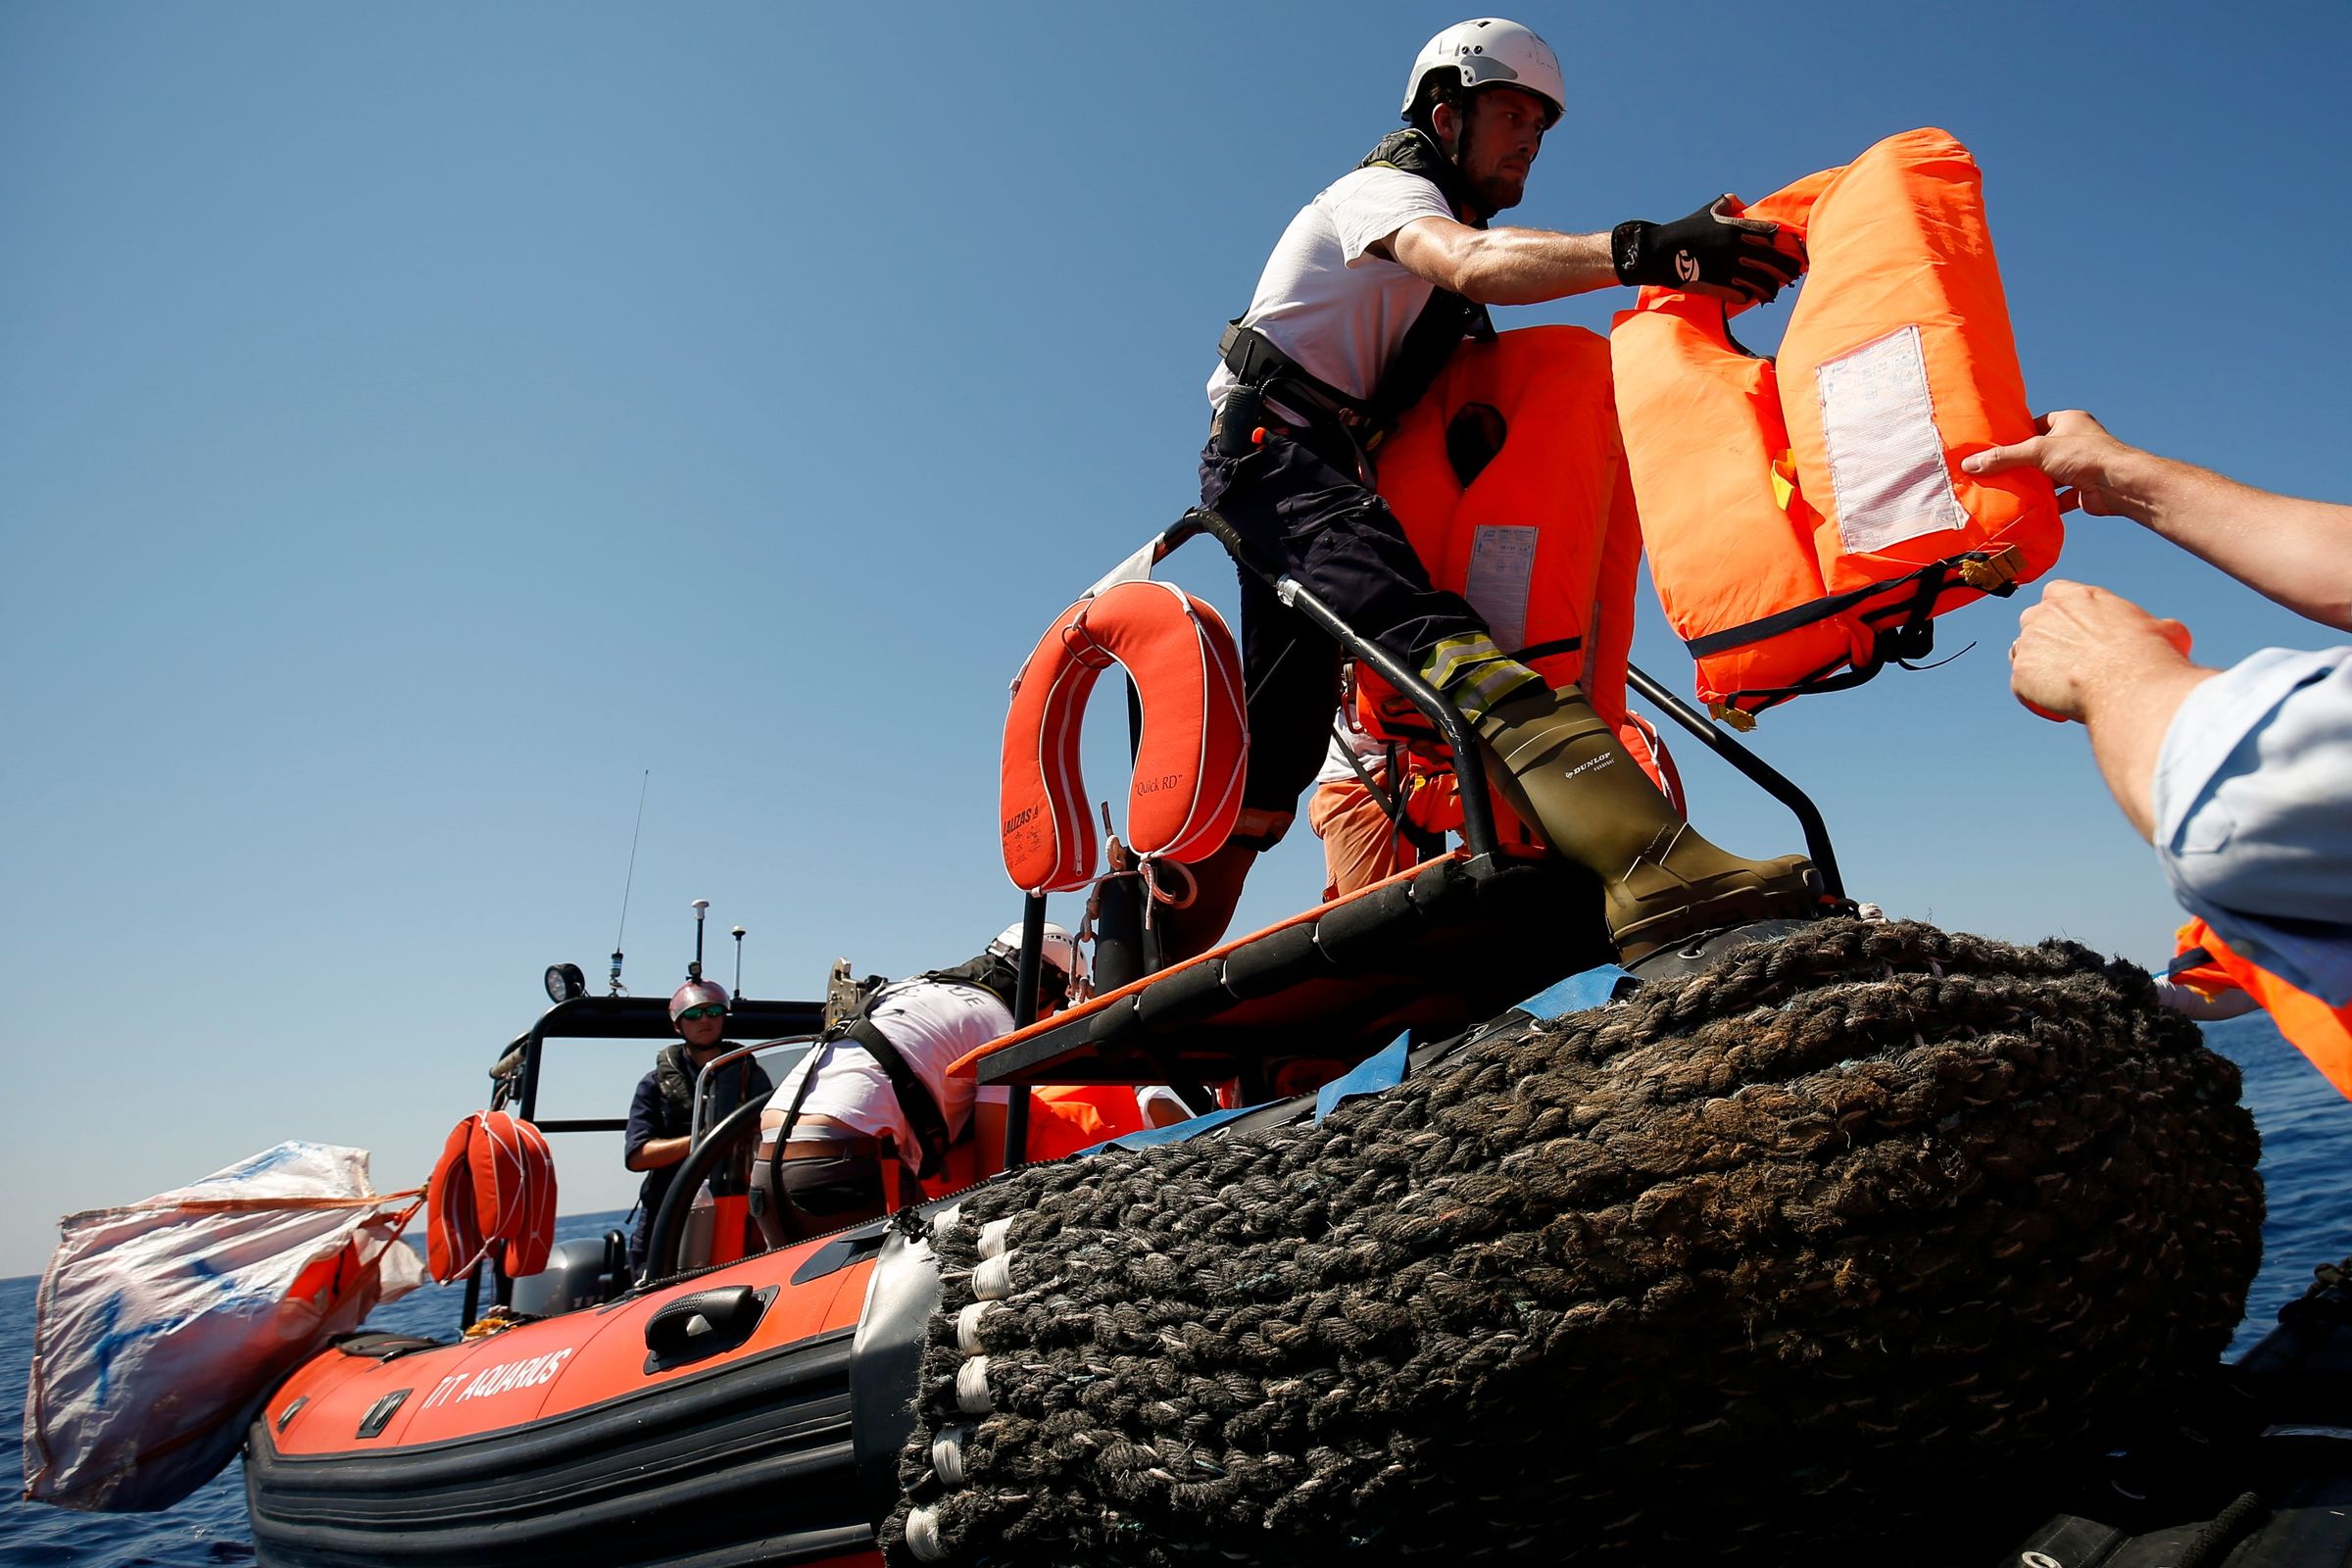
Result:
pixel 1509 479
pixel 1806 516
pixel 2205 964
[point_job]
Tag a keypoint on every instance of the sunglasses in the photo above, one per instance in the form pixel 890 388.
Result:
pixel 712 1010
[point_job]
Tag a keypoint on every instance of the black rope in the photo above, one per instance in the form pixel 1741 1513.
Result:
pixel 1773 1264
pixel 2209 1546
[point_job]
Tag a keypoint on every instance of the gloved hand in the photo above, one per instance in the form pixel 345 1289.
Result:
pixel 1710 252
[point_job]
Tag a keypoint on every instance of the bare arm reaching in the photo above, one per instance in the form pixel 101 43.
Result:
pixel 2296 553
pixel 1712 252
pixel 1503 266
pixel 2085 654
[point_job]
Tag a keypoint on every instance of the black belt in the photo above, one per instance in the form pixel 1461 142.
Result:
pixel 1255 362
pixel 1338 428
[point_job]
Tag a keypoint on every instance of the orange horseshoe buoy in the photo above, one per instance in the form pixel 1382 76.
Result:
pixel 495 1185
pixel 1187 787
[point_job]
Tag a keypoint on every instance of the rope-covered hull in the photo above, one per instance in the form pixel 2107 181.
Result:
pixel 1792 1254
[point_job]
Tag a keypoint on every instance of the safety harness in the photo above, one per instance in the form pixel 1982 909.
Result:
pixel 990 972
pixel 1444 321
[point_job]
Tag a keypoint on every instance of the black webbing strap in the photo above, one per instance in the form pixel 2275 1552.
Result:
pixel 1392 804
pixel 1429 343
pixel 923 1116
pixel 1255 362
pixel 1444 323
pixel 1804 614
pixel 1904 631
pixel 1544 650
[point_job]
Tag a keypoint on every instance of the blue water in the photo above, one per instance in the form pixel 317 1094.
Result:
pixel 2306 1144
pixel 208 1527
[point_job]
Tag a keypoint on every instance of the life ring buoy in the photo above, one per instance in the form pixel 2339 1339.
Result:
pixel 1187 787
pixel 493 1187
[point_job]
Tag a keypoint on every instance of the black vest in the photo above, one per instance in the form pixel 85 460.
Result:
pixel 1448 317
pixel 1429 342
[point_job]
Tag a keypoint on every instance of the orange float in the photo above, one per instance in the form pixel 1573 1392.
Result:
pixel 1186 786
pixel 1510 479
pixel 494 1188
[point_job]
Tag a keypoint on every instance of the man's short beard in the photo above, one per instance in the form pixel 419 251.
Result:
pixel 1499 194
pixel 1493 195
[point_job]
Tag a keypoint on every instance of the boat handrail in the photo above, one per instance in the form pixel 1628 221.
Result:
pixel 694 1125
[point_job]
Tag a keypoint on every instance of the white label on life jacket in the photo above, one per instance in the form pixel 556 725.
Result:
pixel 1503 562
pixel 1887 465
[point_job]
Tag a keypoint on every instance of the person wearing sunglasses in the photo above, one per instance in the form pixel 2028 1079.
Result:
pixel 662 1112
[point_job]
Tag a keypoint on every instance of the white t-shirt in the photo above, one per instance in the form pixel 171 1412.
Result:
pixel 1351 739
pixel 933 1024
pixel 1324 300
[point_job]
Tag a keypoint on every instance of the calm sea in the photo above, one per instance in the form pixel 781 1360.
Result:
pixel 2306 1144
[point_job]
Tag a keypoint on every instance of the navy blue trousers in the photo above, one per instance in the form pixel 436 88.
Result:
pixel 1306 509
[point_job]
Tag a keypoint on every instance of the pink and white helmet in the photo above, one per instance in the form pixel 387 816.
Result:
pixel 696 994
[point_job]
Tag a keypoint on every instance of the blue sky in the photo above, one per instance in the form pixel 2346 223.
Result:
pixel 416 422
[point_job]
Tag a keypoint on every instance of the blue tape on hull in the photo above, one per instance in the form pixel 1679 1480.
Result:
pixel 1384 1069
pixel 1579 992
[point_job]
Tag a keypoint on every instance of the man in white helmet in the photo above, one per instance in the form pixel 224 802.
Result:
pixel 1369 290
pixel 884 1074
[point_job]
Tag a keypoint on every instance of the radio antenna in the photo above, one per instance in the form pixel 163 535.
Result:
pixel 630 881
pixel 694 971
pixel 738 935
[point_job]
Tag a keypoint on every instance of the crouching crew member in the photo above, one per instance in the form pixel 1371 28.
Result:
pixel 880 1082
pixel 1367 293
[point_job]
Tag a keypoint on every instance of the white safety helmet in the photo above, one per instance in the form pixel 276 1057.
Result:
pixel 1059 952
pixel 1489 52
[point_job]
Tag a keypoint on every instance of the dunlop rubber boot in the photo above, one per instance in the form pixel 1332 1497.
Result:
pixel 1201 925
pixel 1561 768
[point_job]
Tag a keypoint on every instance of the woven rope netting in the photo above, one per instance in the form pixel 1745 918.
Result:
pixel 1799 1252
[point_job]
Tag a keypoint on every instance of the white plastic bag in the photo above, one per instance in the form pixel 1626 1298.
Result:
pixel 161 1327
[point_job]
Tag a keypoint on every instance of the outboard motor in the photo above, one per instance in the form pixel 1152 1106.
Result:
pixel 586 1271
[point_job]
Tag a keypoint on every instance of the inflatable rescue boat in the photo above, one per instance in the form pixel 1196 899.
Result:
pixel 1801 1239
pixel 1835 1239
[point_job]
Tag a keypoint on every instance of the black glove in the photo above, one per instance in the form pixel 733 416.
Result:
pixel 1710 250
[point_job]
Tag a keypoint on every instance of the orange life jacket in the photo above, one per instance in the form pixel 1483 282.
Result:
pixel 2206 965
pixel 1063 1118
pixel 1187 787
pixel 1806 516
pixel 1510 477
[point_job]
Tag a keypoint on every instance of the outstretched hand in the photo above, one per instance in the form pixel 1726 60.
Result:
pixel 2074 450
pixel 2081 645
